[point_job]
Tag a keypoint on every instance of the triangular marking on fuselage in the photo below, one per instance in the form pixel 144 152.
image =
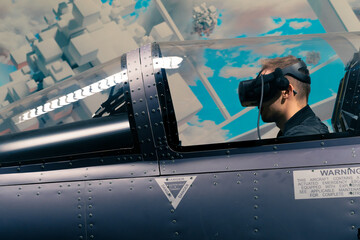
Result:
pixel 175 186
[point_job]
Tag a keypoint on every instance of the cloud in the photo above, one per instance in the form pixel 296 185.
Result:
pixel 18 18
pixel 354 3
pixel 299 25
pixel 203 132
pixel 239 72
pixel 208 72
pixel 275 48
pixel 238 17
pixel 277 33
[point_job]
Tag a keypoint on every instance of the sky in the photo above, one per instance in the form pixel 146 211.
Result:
pixel 236 19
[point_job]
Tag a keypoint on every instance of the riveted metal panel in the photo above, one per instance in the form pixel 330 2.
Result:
pixel 123 170
pixel 155 111
pixel 139 107
pixel 336 218
pixel 127 209
pixel 316 153
pixel 216 206
pixel 228 205
pixel 43 211
pixel 168 122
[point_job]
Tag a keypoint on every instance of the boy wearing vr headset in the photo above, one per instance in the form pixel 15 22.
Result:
pixel 281 91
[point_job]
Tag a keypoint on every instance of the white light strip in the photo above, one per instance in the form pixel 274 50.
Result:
pixel 75 96
pixel 106 83
pixel 167 62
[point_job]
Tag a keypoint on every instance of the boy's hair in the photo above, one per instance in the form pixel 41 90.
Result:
pixel 303 89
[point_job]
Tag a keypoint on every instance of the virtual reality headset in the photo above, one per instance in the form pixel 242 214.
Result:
pixel 250 90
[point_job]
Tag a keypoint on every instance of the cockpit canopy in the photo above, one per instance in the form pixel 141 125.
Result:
pixel 203 78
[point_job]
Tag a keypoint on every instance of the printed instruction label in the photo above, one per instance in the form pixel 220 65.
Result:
pixel 327 183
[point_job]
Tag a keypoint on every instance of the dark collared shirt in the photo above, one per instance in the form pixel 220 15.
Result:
pixel 304 122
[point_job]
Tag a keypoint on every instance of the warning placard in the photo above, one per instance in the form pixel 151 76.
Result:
pixel 327 183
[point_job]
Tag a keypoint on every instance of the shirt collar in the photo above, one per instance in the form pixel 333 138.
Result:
pixel 299 117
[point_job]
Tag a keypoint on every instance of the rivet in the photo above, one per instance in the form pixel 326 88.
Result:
pixel 38 193
pixel 90 214
pixel 238 174
pixel 322 143
pixel 227 152
pixel 255 181
pixel 352 227
pixel 176 233
pixel 256 230
pixel 255 173
pixel 288 171
pixel 276 165
pixel 79 199
pixel 256 197
pixel 59 192
pixel 238 182
pixel 79 215
pixel 352 201
pixel 274 147
pixel 352 213
pixel 90 198
pixel 256 217
pixel 89 190
pixel 79 206
pixel 91 236
pixel 91 225
pixel 215 183
pixel 110 189
pixel 81 237
pixel 79 191
pixel 80 225
pixel 256 206
pixel 173 221
pixel 172 210
pixel 150 187
pixel 255 189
